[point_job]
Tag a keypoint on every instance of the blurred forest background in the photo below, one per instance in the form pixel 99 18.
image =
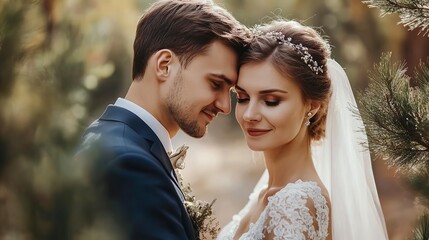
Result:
pixel 62 62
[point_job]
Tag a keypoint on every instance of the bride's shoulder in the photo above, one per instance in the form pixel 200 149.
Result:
pixel 300 194
pixel 301 187
pixel 303 206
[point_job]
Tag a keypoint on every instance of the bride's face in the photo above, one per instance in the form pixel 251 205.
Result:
pixel 270 108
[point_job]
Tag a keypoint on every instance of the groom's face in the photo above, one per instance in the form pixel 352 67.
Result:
pixel 201 89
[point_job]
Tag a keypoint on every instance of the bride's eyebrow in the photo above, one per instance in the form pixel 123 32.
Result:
pixel 269 91
pixel 262 92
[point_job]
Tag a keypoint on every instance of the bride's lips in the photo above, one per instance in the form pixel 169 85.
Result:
pixel 255 132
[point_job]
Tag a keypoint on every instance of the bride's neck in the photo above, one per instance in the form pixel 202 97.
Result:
pixel 289 163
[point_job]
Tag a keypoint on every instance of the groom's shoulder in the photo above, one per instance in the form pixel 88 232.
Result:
pixel 110 140
pixel 113 134
pixel 109 153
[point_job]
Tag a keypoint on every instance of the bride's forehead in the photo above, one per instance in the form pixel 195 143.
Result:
pixel 260 70
pixel 254 79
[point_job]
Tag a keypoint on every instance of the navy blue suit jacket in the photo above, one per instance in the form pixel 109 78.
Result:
pixel 136 177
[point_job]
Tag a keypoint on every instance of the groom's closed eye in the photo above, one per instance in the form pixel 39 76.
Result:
pixel 217 85
pixel 221 79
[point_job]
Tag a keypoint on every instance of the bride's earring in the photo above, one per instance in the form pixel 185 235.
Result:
pixel 308 120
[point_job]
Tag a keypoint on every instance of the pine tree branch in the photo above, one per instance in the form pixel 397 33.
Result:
pixel 422 231
pixel 396 114
pixel 413 13
pixel 407 6
pixel 419 182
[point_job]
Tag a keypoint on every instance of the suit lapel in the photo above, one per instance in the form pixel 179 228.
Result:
pixel 159 152
pixel 114 113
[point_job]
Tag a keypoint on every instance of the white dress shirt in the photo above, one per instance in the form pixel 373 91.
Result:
pixel 150 120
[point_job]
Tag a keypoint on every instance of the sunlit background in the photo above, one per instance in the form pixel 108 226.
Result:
pixel 62 62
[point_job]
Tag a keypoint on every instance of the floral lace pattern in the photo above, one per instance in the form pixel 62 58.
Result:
pixel 287 216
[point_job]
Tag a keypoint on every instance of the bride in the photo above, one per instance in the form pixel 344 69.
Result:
pixel 295 105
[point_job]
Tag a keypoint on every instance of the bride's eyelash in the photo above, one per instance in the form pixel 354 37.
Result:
pixel 242 100
pixel 272 103
pixel 268 103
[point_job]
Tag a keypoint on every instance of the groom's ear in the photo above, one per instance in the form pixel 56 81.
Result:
pixel 164 60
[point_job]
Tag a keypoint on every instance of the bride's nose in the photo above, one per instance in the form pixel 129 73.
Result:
pixel 252 113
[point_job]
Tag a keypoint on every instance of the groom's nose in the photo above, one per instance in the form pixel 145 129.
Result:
pixel 223 102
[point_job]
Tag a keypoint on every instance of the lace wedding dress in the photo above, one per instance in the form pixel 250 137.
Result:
pixel 286 215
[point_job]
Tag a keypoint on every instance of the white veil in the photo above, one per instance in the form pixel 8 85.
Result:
pixel 343 163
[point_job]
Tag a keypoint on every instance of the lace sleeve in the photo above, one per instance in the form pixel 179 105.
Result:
pixel 301 212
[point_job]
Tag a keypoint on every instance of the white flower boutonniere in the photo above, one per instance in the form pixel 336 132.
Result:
pixel 178 157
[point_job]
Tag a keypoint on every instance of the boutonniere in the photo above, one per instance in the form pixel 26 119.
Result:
pixel 206 226
pixel 178 157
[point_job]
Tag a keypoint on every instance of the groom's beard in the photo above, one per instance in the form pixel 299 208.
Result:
pixel 180 110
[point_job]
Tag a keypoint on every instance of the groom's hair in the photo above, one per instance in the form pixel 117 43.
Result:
pixel 186 27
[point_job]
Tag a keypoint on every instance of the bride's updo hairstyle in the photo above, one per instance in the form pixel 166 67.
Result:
pixel 298 52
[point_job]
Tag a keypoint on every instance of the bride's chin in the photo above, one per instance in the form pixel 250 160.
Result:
pixel 255 147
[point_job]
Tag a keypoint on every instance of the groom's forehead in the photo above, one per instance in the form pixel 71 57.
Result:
pixel 218 62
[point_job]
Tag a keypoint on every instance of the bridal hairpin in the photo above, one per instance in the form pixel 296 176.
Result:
pixel 299 48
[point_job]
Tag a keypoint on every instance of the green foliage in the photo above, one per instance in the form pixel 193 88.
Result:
pixel 50 69
pixel 413 13
pixel 11 19
pixel 396 109
pixel 201 213
pixel 422 230
pixel 396 113
pixel 419 182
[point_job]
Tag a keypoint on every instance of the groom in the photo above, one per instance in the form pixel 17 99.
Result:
pixel 185 62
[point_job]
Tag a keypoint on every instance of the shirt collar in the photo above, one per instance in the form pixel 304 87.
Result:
pixel 150 120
